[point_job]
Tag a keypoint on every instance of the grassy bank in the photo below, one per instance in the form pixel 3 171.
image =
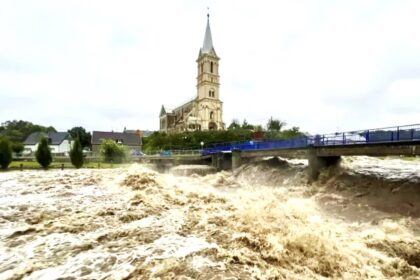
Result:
pixel 33 165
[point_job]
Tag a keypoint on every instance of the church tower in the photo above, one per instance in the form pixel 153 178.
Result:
pixel 208 99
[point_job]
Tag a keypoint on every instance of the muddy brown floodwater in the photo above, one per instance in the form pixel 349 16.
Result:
pixel 263 221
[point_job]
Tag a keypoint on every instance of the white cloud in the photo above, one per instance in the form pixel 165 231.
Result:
pixel 320 65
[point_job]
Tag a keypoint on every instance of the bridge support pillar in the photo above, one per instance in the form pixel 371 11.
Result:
pixel 236 159
pixel 316 163
pixel 163 165
pixel 221 161
pixel 214 158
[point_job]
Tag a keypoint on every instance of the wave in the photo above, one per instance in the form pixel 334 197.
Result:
pixel 263 221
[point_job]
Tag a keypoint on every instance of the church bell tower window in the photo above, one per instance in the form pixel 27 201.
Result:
pixel 211 67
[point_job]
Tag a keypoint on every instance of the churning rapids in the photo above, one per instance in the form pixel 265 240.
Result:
pixel 263 221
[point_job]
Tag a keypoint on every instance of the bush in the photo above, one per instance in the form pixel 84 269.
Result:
pixel 192 140
pixel 112 152
pixel 5 153
pixel 76 154
pixel 17 148
pixel 43 153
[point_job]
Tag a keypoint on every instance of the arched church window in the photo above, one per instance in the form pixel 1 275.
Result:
pixel 211 115
pixel 201 68
pixel 211 67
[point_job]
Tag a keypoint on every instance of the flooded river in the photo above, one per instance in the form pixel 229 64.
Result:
pixel 263 221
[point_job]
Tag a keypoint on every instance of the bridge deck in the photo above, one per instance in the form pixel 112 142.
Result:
pixel 379 149
pixel 400 140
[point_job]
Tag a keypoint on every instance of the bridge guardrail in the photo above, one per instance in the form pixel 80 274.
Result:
pixel 370 136
pixel 406 133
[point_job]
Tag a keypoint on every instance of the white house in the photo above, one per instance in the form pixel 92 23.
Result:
pixel 59 142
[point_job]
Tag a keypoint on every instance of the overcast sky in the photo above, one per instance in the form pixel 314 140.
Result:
pixel 324 66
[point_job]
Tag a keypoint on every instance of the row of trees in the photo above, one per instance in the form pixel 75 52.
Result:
pixel 42 155
pixel 192 140
pixel 272 125
pixel 17 132
pixel 110 151
pixel 274 129
pixel 236 131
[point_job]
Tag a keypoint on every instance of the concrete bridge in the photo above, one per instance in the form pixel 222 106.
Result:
pixel 322 150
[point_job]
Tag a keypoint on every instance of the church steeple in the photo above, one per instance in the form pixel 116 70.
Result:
pixel 208 68
pixel 205 111
pixel 208 41
pixel 209 106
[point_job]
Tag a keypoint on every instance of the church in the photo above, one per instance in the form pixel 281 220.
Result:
pixel 204 111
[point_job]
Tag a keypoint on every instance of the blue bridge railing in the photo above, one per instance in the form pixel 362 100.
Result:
pixel 407 133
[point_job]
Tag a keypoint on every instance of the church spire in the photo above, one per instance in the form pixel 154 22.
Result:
pixel 208 42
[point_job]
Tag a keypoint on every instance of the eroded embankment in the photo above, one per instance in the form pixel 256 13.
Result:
pixel 261 222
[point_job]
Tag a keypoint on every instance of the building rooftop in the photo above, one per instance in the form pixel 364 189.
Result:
pixel 130 139
pixel 56 138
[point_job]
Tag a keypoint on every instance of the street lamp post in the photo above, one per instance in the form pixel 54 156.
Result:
pixel 202 145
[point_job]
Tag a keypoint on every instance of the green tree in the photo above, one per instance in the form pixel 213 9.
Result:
pixel 76 154
pixel 18 131
pixel 291 133
pixel 43 153
pixel 17 148
pixel 191 140
pixel 112 152
pixel 234 124
pixel 258 128
pixel 5 153
pixel 246 125
pixel 81 133
pixel 275 124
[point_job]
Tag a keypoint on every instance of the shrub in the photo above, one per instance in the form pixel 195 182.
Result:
pixel 76 154
pixel 5 153
pixel 43 153
pixel 111 151
pixel 17 148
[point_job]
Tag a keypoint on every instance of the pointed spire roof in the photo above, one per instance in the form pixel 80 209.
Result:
pixel 208 41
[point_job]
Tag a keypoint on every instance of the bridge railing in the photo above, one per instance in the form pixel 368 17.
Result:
pixel 299 142
pixel 369 136
pixel 186 152
pixel 405 133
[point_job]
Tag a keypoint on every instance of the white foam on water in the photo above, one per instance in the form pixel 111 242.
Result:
pixel 260 221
